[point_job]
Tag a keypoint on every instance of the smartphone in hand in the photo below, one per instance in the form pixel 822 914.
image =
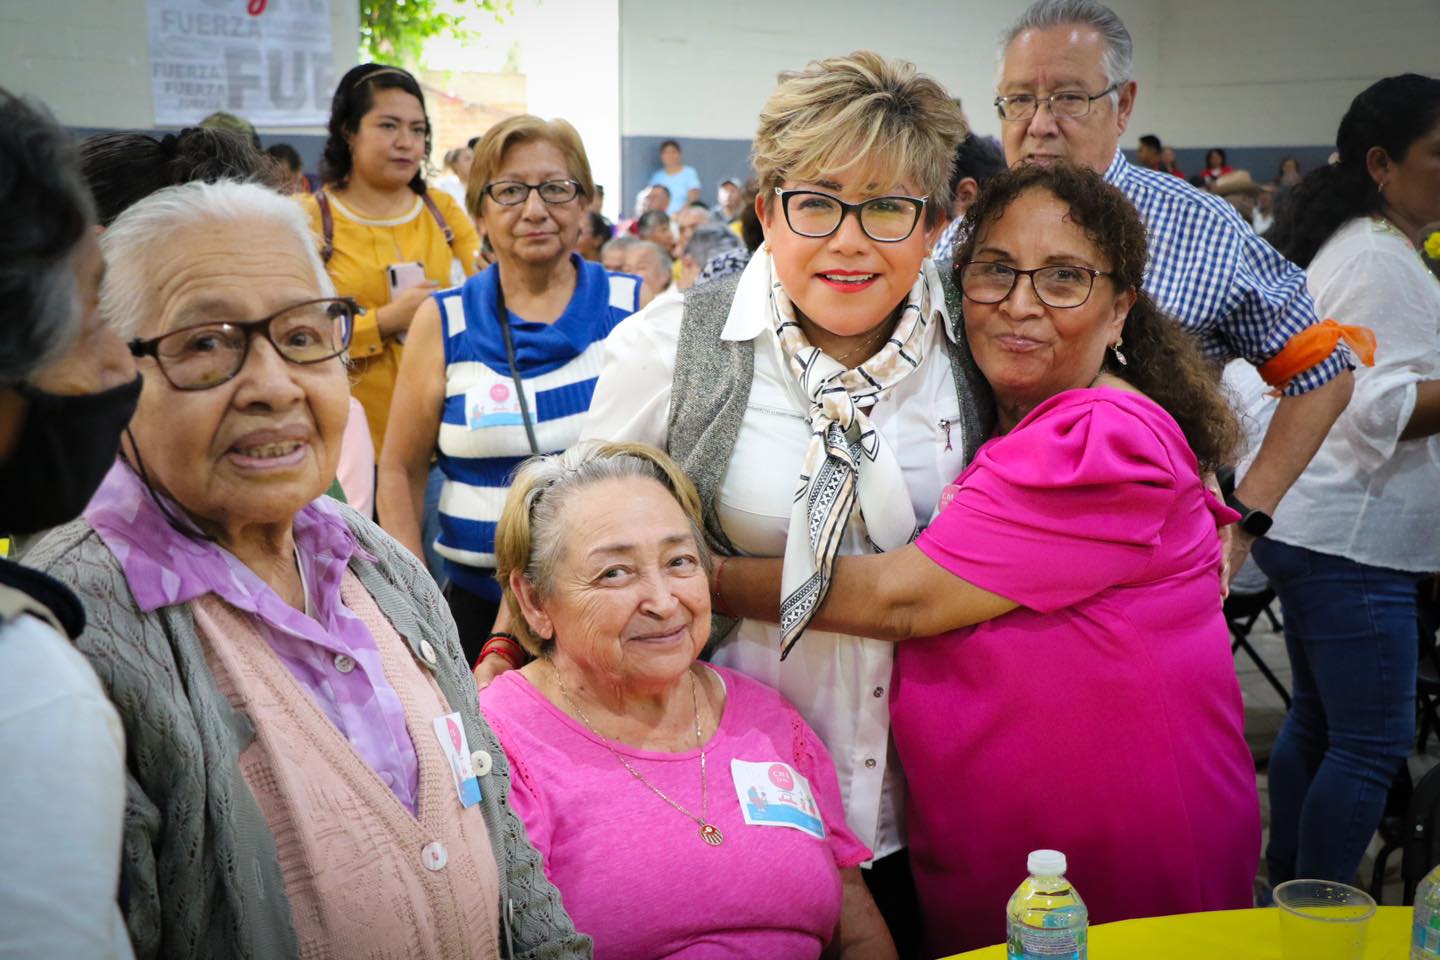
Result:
pixel 401 277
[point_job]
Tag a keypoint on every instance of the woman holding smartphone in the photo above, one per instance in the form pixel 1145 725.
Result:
pixel 501 368
pixel 387 241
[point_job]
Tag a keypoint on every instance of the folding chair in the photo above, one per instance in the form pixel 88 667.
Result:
pixel 1418 839
pixel 1242 612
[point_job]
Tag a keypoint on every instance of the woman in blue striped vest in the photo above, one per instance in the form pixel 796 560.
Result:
pixel 504 366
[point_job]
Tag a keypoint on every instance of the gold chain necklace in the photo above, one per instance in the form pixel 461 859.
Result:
pixel 708 831
pixel 866 343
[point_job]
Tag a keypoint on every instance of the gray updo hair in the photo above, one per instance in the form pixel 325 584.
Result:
pixel 46 209
pixel 530 538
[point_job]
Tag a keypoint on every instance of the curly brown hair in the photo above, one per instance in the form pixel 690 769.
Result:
pixel 1164 362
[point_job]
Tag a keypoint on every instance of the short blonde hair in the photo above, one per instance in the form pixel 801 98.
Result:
pixel 526 128
pixel 862 113
pixel 530 538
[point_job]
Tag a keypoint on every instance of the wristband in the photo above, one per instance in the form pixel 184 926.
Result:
pixel 506 647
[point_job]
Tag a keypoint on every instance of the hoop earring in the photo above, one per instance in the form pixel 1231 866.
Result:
pixel 1119 357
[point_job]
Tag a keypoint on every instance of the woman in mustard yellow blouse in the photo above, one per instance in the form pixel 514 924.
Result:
pixel 387 241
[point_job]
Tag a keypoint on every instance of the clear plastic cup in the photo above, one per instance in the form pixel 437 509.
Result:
pixel 1322 920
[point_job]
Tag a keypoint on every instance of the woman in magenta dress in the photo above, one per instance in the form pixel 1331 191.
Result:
pixel 1076 688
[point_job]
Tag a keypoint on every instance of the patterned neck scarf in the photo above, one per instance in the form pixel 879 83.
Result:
pixel 847 460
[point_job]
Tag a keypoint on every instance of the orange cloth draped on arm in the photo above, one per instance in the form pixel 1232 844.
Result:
pixel 1312 346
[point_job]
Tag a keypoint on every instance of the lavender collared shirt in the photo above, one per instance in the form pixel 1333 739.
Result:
pixel 332 654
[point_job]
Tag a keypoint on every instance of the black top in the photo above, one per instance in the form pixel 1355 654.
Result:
pixel 46 590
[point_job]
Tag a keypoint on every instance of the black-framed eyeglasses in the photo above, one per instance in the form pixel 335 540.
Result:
pixel 1072 104
pixel 512 193
pixel 206 355
pixel 813 214
pixel 1061 286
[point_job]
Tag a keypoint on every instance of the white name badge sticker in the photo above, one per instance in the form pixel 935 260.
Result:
pixel 450 731
pixel 494 403
pixel 773 794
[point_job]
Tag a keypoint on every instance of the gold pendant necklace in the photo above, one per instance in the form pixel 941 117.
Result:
pixel 708 831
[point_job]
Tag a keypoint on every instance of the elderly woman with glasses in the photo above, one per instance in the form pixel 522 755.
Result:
pixel 1076 691
pixel 821 399
pixel 503 367
pixel 682 809
pixel 308 771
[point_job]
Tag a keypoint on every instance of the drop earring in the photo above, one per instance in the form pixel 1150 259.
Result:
pixel 1120 357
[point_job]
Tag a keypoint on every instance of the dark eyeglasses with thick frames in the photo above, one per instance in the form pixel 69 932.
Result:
pixel 206 355
pixel 1060 286
pixel 1071 104
pixel 512 193
pixel 813 214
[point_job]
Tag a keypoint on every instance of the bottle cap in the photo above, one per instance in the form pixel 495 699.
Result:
pixel 1046 863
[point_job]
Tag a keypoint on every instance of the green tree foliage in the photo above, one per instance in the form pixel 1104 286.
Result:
pixel 395 31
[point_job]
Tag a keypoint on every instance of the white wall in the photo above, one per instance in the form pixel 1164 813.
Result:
pixel 569 51
pixel 88 60
pixel 1233 72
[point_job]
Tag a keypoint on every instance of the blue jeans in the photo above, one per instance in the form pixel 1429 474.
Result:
pixel 1352 634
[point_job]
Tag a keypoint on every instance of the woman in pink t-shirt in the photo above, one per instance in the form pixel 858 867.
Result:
pixel 1076 690
pixel 681 810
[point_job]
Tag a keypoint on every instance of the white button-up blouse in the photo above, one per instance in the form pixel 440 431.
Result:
pixel 1368 495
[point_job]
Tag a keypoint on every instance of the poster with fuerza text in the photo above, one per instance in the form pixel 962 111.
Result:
pixel 269 61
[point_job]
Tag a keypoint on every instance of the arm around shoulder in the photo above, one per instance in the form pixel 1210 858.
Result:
pixel 887 596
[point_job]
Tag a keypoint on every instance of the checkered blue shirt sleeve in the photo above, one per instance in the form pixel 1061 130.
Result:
pixel 1209 270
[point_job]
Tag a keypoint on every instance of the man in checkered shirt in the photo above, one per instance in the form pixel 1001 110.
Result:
pixel 1065 93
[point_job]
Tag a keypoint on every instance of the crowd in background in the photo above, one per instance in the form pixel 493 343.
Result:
pixel 412 562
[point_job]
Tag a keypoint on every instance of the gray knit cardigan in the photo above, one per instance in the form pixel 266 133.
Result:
pixel 203 875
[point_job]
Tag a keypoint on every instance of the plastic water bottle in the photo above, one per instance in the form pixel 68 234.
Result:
pixel 1425 935
pixel 1046 917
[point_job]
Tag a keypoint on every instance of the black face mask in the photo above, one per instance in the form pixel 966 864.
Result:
pixel 66 447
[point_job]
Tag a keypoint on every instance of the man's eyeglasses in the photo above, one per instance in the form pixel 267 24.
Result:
pixel 1062 287
pixel 883 219
pixel 512 193
pixel 208 354
pixel 1073 104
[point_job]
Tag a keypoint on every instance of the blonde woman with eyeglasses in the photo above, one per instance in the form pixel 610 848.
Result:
pixel 821 400
pixel 501 368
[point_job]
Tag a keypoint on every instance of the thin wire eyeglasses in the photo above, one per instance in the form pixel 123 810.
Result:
pixel 1073 105
pixel 512 193
pixel 1061 286
pixel 206 355
pixel 888 219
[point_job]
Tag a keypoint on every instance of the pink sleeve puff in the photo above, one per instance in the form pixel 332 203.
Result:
pixel 1069 503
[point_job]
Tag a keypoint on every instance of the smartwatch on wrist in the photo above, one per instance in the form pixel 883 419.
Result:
pixel 1255 522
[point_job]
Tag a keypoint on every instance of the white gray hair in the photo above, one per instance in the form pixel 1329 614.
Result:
pixel 144 231
pixel 621 242
pixel 709 240
pixel 663 264
pixel 1118 61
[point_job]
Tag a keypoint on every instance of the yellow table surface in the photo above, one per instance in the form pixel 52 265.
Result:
pixel 1224 935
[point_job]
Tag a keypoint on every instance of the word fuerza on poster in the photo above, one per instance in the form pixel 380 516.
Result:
pixel 269 61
